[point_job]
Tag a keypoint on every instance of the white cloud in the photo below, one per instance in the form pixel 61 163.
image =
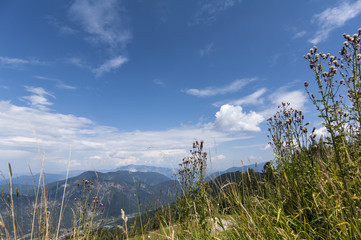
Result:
pixel 65 86
pixel 63 29
pixel 19 61
pixel 261 146
pixel 299 34
pixel 232 118
pixel 103 21
pixel 105 24
pixel 10 61
pixel 60 84
pixel 297 98
pixel 209 11
pixel 110 65
pixel 95 146
pixel 38 98
pixel 333 18
pixel 322 132
pixel 78 62
pixel 206 50
pixel 252 99
pixel 220 157
pixel 159 82
pixel 213 91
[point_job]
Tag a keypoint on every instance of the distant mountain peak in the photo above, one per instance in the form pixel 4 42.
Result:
pixel 144 168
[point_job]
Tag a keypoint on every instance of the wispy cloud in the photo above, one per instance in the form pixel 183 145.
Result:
pixel 38 99
pixel 7 61
pixel 110 65
pixel 299 34
pixel 105 24
pixel 209 11
pixel 62 28
pixel 78 62
pixel 10 61
pixel 206 50
pixel 159 82
pixel 333 18
pixel 103 21
pixel 163 10
pixel 106 67
pixel 213 91
pixel 59 83
pixel 252 99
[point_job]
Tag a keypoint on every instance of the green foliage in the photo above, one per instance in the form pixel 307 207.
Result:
pixel 193 203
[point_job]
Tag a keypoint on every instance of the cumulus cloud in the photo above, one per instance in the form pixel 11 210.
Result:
pixel 233 118
pixel 95 146
pixel 297 98
pixel 333 18
pixel 110 65
pixel 103 21
pixel 213 91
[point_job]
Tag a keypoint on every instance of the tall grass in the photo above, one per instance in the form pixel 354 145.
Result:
pixel 310 190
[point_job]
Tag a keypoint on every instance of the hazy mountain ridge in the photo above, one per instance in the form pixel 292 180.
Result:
pixel 256 167
pixel 144 168
pixel 134 192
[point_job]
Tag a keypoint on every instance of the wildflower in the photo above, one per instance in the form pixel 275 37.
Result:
pixel 306 84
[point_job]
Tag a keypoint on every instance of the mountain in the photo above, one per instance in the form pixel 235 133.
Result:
pixel 134 192
pixel 256 167
pixel 30 180
pixel 143 168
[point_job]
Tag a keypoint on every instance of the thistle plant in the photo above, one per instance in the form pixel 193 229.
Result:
pixel 88 206
pixel 193 202
pixel 338 99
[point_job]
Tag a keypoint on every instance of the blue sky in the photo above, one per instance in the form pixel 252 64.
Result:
pixel 136 82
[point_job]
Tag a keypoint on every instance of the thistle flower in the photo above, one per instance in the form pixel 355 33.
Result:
pixel 304 129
